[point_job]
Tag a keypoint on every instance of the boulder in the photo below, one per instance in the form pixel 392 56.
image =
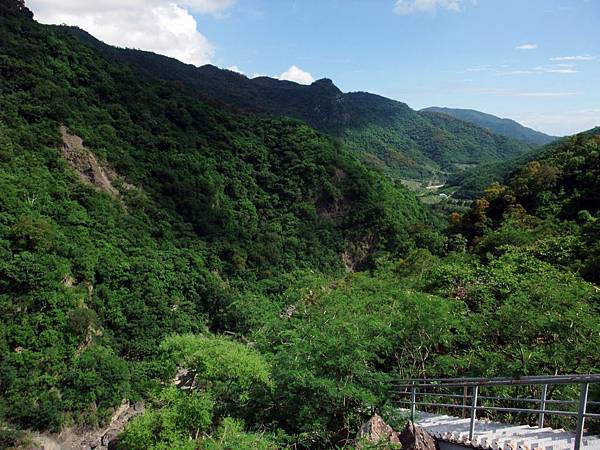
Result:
pixel 376 430
pixel 416 438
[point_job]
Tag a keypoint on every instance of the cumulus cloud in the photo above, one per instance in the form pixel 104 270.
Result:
pixel 404 7
pixel 526 47
pixel 161 26
pixel 296 74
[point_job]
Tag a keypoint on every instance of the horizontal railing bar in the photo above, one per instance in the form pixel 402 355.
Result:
pixel 509 399
pixel 532 380
pixel 515 382
pixel 512 399
pixel 446 405
pixel 501 409
pixel 524 377
pixel 442 395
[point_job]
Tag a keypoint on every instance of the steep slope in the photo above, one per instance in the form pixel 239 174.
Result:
pixel 503 127
pixel 385 133
pixel 131 211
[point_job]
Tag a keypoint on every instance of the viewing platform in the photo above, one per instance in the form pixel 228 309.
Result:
pixel 469 412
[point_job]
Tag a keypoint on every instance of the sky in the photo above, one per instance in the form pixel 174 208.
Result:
pixel 534 61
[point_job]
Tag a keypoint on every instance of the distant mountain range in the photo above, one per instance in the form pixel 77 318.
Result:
pixel 504 127
pixel 384 133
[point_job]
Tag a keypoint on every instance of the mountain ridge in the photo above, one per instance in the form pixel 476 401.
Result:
pixel 503 126
pixel 385 133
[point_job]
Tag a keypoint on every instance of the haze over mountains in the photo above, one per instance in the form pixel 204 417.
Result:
pixel 504 127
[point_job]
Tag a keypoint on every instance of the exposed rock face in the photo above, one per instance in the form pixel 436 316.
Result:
pixel 89 169
pixel 376 430
pixel 416 438
pixel 86 439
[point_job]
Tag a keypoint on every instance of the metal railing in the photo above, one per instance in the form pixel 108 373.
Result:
pixel 471 400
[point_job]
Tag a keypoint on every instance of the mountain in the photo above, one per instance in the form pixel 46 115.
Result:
pixel 131 211
pixel 503 127
pixel 386 134
pixel 230 280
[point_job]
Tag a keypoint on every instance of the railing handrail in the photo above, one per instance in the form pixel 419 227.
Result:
pixel 412 385
pixel 499 381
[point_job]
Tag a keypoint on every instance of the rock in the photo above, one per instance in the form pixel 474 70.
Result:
pixel 185 379
pixel 376 430
pixel 416 438
pixel 109 436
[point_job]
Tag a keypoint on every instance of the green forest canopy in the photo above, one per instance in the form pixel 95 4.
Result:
pixel 224 252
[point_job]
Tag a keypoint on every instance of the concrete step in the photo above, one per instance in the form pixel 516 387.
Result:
pixel 491 435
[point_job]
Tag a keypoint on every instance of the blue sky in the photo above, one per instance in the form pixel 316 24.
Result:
pixel 536 61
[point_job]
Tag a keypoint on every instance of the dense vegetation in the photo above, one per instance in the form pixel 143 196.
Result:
pixel 503 127
pixel 384 133
pixel 549 206
pixel 222 251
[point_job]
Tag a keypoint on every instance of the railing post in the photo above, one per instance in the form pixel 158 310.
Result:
pixel 542 406
pixel 474 412
pixel 413 402
pixel 581 415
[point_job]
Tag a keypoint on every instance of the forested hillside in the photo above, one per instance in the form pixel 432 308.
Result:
pixel 549 206
pixel 385 133
pixel 503 127
pixel 148 236
pixel 202 209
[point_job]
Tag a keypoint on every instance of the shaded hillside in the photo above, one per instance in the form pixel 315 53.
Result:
pixel 503 127
pixel 385 133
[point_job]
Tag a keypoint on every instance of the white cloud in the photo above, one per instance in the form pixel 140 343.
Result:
pixel 404 7
pixel 518 72
pixel 296 74
pixel 161 26
pixel 563 71
pixel 574 58
pixel 526 47
pixel 514 93
pixel 552 68
pixel 484 68
pixel 207 6
pixel 236 69
pixel 557 68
